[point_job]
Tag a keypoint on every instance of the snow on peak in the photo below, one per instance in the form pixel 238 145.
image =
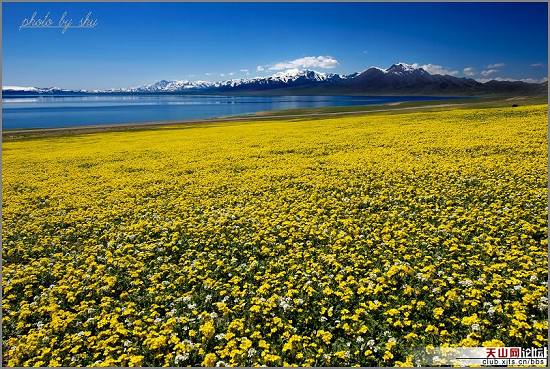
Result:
pixel 172 86
pixel 289 73
pixel 18 88
pixel 294 74
pixel 378 68
pixel 402 68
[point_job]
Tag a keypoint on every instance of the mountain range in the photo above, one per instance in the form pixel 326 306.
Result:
pixel 398 79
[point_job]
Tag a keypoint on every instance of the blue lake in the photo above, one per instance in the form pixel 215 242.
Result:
pixel 69 111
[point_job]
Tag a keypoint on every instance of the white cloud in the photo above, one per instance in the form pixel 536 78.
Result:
pixel 222 74
pixel 436 69
pixel 244 70
pixel 325 62
pixel 488 72
pixel 469 71
pixel 260 68
pixel 536 65
pixel 496 65
pixel 208 74
pixel 231 73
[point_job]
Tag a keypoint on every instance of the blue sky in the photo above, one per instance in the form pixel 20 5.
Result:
pixel 136 43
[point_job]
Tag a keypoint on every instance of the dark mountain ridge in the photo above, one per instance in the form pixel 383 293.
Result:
pixel 398 79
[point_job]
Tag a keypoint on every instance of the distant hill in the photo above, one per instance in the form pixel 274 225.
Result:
pixel 399 79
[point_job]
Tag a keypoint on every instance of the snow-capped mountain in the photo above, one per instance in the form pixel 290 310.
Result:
pixel 171 86
pixel 37 90
pixel 404 69
pixel 293 77
pixel 19 88
pixel 405 78
pixel 399 78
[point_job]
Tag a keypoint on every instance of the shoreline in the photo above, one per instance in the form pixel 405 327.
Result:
pixel 12 134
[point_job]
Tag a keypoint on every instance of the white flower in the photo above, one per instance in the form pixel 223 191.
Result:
pixel 181 358
pixel 421 276
pixel 543 305
pixel 284 302
pixel 466 283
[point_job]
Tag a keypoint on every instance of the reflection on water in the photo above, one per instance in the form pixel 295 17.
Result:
pixel 65 111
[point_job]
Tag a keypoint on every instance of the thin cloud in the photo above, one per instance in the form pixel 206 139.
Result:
pixel 324 62
pixel 488 72
pixel 534 80
pixel 496 65
pixel 507 79
pixel 260 68
pixel 469 71
pixel 536 65
pixel 437 69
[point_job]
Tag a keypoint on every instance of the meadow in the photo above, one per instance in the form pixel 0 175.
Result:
pixel 321 242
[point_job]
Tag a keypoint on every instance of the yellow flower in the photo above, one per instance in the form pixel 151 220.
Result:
pixel 342 354
pixel 341 229
pixel 207 329
pixel 210 360
pixel 438 312
pixel 431 329
pixel 493 343
pixel 470 320
pixel 135 360
pixel 325 335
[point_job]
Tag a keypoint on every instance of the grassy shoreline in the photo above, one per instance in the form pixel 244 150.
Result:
pixel 303 113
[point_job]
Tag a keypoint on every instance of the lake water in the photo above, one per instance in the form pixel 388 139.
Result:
pixel 58 111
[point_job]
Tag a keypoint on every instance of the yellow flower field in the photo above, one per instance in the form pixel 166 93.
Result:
pixel 342 241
